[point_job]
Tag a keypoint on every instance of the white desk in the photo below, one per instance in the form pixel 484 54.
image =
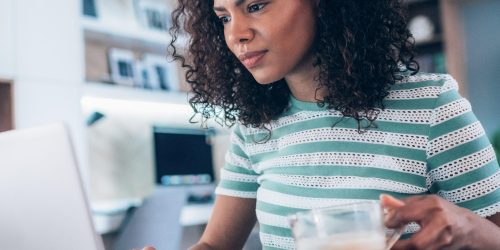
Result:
pixel 196 214
pixel 108 216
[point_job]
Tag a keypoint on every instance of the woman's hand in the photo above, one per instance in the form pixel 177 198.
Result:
pixel 443 224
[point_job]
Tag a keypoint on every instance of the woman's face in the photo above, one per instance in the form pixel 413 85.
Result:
pixel 272 38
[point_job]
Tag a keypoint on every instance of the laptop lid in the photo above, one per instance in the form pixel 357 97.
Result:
pixel 42 201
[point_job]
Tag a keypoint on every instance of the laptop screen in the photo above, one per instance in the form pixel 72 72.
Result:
pixel 44 204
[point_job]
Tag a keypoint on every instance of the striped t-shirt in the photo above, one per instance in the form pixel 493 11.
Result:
pixel 426 141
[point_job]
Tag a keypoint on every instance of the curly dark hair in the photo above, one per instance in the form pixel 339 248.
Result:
pixel 359 48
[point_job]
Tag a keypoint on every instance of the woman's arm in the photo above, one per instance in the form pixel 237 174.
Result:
pixel 231 222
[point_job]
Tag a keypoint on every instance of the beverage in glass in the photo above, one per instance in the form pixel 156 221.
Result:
pixel 355 226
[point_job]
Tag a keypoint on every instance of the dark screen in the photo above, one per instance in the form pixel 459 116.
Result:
pixel 184 154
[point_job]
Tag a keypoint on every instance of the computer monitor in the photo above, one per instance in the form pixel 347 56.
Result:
pixel 183 156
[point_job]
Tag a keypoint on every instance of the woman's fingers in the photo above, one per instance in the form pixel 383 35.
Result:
pixel 436 235
pixel 390 202
pixel 436 218
pixel 416 209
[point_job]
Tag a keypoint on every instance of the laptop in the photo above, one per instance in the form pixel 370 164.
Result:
pixel 43 204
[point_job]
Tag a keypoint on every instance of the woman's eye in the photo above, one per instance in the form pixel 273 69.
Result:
pixel 252 8
pixel 256 7
pixel 224 19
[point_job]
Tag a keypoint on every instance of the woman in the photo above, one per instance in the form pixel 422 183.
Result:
pixel 329 108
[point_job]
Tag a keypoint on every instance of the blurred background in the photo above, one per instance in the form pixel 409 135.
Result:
pixel 101 67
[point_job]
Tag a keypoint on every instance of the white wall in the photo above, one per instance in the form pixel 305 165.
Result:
pixel 41 50
pixel 7 40
pixel 482 51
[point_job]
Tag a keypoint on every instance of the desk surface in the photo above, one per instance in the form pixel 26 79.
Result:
pixel 155 223
pixel 109 216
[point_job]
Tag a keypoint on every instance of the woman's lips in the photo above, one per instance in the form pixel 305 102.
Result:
pixel 252 59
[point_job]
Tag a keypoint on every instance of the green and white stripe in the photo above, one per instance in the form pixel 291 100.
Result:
pixel 427 140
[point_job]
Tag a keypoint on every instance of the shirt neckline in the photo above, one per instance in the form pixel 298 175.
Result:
pixel 305 105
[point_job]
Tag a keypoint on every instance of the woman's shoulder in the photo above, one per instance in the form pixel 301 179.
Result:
pixel 422 85
pixel 243 131
pixel 423 77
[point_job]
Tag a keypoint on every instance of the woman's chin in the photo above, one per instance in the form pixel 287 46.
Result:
pixel 264 82
pixel 264 79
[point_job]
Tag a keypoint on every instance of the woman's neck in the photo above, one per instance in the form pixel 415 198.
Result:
pixel 302 83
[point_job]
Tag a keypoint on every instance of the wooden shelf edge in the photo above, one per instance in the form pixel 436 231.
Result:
pixel 6 105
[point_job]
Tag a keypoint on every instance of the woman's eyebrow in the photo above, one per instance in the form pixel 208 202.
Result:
pixel 236 3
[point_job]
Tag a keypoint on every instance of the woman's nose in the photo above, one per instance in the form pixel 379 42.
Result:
pixel 240 31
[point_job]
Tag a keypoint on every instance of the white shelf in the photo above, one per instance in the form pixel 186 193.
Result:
pixel 110 219
pixel 146 103
pixel 108 216
pixel 128 34
pixel 196 214
pixel 103 90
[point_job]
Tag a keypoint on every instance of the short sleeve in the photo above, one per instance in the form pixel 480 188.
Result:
pixel 237 177
pixel 461 163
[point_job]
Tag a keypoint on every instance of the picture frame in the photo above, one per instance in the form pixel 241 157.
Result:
pixel 153 14
pixel 142 78
pixel 162 74
pixel 122 66
pixel 117 13
pixel 89 8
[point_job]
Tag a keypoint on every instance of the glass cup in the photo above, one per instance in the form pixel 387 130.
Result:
pixel 345 227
